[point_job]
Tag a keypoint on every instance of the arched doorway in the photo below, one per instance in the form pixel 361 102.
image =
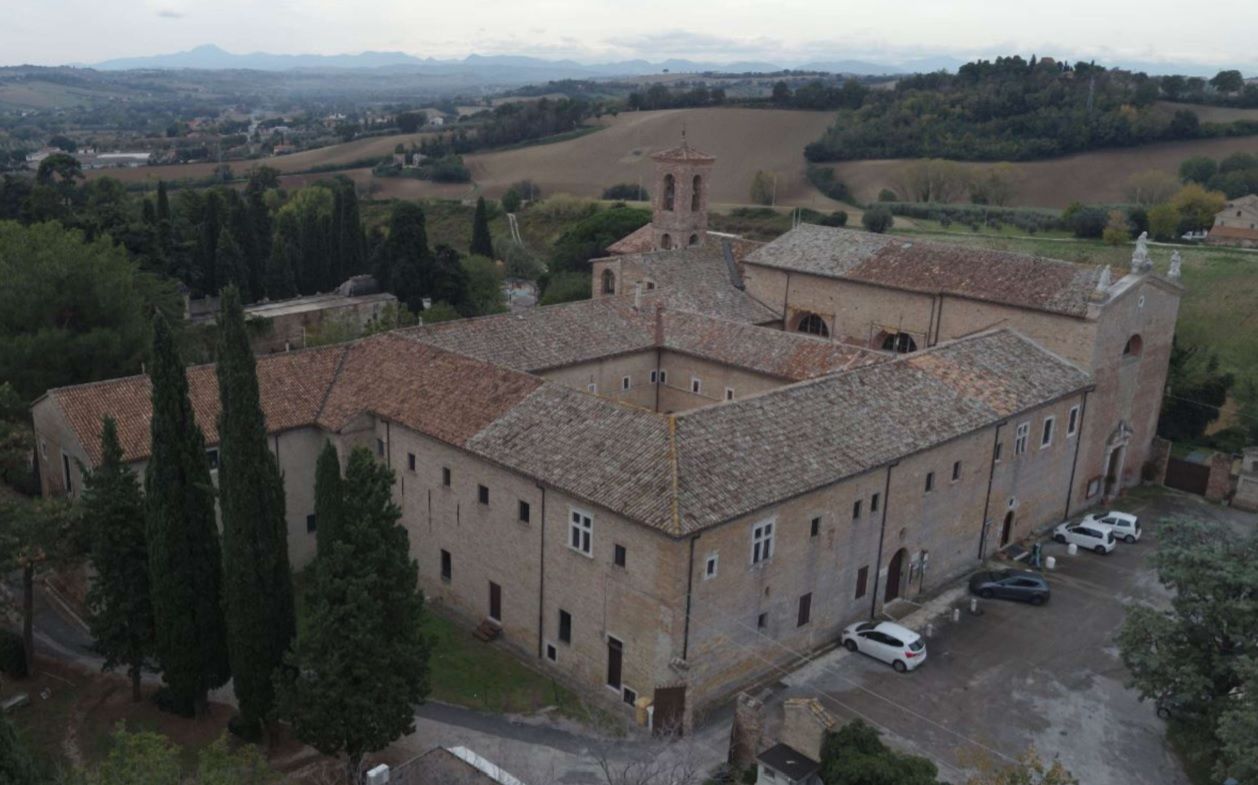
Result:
pixel 666 242
pixel 895 574
pixel 812 324
pixel 1006 531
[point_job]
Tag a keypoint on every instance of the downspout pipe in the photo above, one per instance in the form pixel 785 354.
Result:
pixel 1074 466
pixel 541 581
pixel 882 535
pixel 987 500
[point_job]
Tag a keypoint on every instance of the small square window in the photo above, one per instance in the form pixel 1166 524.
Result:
pixel 552 653
pixel 956 470
pixel 856 509
pixel 525 512
pixel 655 377
pixel 447 569
pixel 814 528
pixel 380 447
pixel 1046 436
pixel 729 393
pixel 762 621
pixel 445 476
pixel 1072 422
pixel 709 566
pixel 211 454
pixel 482 494
pixel 930 481
pixel 625 382
pixel 696 386
pixel 619 555
pixel 874 501
pixel 663 376
pixel 311 523
pixel 410 461
pixel 630 696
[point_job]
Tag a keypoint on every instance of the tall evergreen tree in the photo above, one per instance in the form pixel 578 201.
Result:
pixel 329 496
pixel 16 765
pixel 280 281
pixel 361 664
pixel 403 261
pixel 257 581
pixel 185 565
pixel 209 279
pixel 232 265
pixel 482 244
pixel 119 599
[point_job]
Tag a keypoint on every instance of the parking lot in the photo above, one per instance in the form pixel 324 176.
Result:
pixel 1018 676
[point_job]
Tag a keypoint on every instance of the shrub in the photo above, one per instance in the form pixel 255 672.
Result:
pixel 1164 222
pixel 836 218
pixel 887 195
pixel 511 200
pixel 823 179
pixel 566 288
pixel 1117 231
pixel 12 655
pixel 878 219
pixel 762 187
pixel 1085 221
pixel 528 190
pixel 626 191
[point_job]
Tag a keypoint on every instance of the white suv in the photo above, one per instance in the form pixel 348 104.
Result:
pixel 1094 538
pixel 1125 526
pixel 892 643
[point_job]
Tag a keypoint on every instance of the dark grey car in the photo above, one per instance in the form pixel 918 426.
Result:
pixel 1011 585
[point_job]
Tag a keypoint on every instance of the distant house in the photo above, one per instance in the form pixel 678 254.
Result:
pixel 1236 224
pixel 781 763
pixel 436 120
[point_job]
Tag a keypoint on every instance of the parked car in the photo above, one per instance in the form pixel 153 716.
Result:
pixel 1011 585
pixel 892 643
pixel 1094 538
pixel 1126 527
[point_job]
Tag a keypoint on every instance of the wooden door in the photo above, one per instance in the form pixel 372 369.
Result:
pixel 670 710
pixel 615 659
pixel 495 601
pixel 895 571
pixel 1007 529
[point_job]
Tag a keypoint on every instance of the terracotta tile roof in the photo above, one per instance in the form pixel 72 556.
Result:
pixel 1231 233
pixel 1020 280
pixel 683 152
pixel 291 387
pixel 640 240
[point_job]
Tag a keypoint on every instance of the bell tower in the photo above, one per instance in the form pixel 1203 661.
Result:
pixel 680 201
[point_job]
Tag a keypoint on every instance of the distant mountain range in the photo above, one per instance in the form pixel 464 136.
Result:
pixel 498 67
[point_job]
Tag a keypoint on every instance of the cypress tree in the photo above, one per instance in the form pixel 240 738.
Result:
pixel 404 262
pixel 185 566
pixel 361 664
pixel 482 245
pixel 279 279
pixel 209 276
pixel 329 496
pixel 233 267
pixel 119 599
pixel 257 582
pixel 163 222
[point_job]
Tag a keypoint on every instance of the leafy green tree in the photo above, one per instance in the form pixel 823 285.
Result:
pixel 257 580
pixel 185 564
pixel 361 663
pixel 1228 82
pixel 1198 169
pixel 440 312
pixel 1194 657
pixel 17 440
pixel 781 93
pixel 148 758
pixel 16 765
pixel 1164 222
pixel 71 311
pixel 854 755
pixel 589 237
pixel 1196 389
pixel 1030 769
pixel 448 278
pixel 1197 206
pixel 329 497
pixel 59 169
pixel 565 288
pixel 231 263
pixel 1117 230
pixel 511 201
pixel 877 219
pixel 350 242
pixel 119 600
pixel 482 244
pixel 484 287
pixel 217 764
pixel 762 187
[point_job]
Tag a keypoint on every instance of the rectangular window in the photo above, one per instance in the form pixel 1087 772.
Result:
pixel 447 568
pixel 592 388
pixel 380 447
pixel 663 376
pixel 862 579
pixel 619 555
pixel 212 455
pixel 311 523
pixel 65 472
pixel 874 501
pixel 445 476
pixel 1000 448
pixel 762 621
pixel 729 393
pixel 581 532
pixel 655 377
pixel 1072 421
pixel 761 542
pixel 956 470
pixel 1046 438
pixel 525 512
pixel 930 481
pixel 565 626
pixel 709 566
pixel 815 527
pixel 410 461
pixel 696 386
pixel 615 661
pixel 1020 440
pixel 625 382
pixel 805 610
pixel 629 696
pixel 856 509
pixel 482 494
pixel 552 653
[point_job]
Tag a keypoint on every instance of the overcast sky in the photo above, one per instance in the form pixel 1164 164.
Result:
pixel 1223 32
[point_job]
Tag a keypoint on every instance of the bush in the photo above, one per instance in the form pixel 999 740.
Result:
pixel 1027 219
pixel 12 655
pixel 511 200
pixel 887 195
pixel 878 219
pixel 836 218
pixel 1085 221
pixel 527 189
pixel 626 191
pixel 762 187
pixel 589 238
pixel 566 288
pixel 563 207
pixel 822 178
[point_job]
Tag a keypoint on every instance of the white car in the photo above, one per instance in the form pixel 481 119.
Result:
pixel 898 646
pixel 1124 525
pixel 1094 538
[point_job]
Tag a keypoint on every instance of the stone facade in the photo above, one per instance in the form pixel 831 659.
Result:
pixel 1236 224
pixel 680 199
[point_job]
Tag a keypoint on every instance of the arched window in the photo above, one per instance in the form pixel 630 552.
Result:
pixel 1134 346
pixel 670 192
pixel 694 239
pixel 902 343
pixel 695 190
pixel 609 282
pixel 666 242
pixel 812 324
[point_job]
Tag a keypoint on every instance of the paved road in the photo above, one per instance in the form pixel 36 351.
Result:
pixel 1018 676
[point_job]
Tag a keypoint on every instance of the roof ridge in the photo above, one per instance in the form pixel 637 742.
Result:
pixel 674 461
pixel 336 377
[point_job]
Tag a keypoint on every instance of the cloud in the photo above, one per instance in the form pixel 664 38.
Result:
pixel 167 13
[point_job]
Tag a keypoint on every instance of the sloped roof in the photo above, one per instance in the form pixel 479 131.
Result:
pixel 640 240
pixel 683 152
pixel 1025 281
